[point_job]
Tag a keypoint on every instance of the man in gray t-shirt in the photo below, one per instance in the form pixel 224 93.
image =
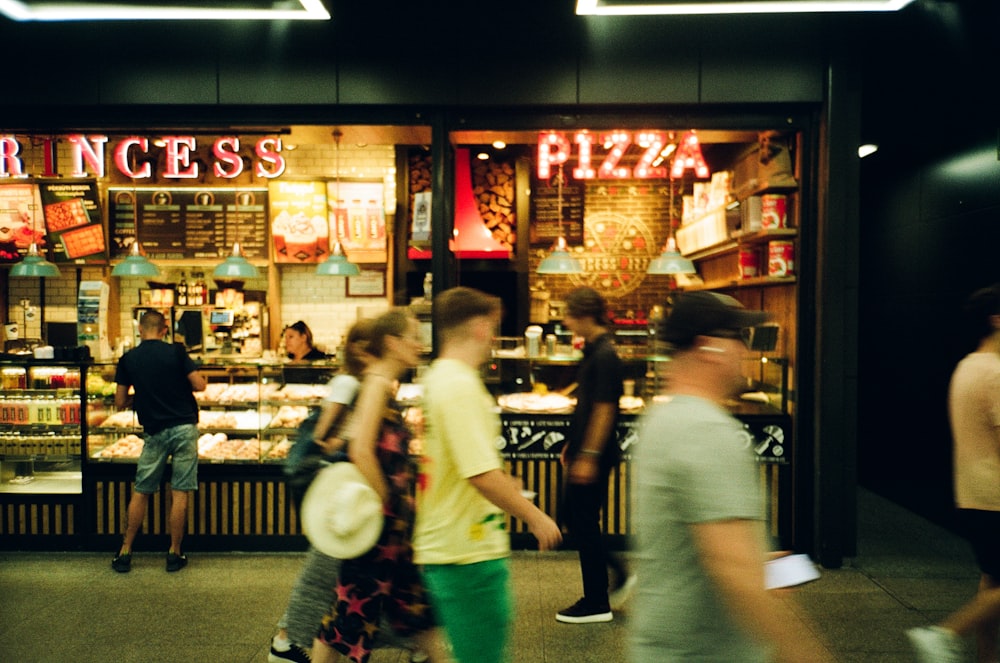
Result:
pixel 700 536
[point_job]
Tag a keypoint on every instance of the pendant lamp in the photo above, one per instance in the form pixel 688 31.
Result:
pixel 136 263
pixel 34 265
pixel 670 261
pixel 559 260
pixel 236 266
pixel 337 264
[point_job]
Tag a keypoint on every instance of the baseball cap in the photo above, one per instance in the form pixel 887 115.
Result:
pixel 706 313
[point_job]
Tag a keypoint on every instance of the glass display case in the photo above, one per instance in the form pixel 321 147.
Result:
pixel 249 412
pixel 41 426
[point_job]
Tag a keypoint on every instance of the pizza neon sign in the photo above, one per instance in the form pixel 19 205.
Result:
pixel 555 148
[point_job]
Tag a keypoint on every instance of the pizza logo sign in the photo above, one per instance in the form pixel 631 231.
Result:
pixel 616 252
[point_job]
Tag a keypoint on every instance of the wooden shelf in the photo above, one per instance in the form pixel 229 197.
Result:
pixel 732 244
pixel 756 282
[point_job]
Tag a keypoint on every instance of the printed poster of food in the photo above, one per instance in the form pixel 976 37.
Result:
pixel 357 216
pixel 73 220
pixel 21 221
pixel 300 229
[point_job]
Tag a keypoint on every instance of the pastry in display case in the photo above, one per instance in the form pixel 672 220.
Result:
pixel 247 414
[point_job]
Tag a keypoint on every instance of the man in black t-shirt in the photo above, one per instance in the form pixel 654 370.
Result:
pixel 164 379
pixel 591 452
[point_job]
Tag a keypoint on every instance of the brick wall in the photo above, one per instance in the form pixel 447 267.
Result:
pixel 626 224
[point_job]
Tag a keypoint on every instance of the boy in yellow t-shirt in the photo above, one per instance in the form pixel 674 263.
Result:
pixel 460 538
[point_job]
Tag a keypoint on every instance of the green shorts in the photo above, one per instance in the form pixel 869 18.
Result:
pixel 473 602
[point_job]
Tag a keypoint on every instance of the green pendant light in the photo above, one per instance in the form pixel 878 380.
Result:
pixel 559 260
pixel 235 266
pixel 337 264
pixel 34 265
pixel 670 261
pixel 135 264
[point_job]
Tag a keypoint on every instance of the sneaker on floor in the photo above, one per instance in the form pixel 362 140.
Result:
pixel 175 562
pixel 618 596
pixel 582 612
pixel 293 654
pixel 122 563
pixel 934 644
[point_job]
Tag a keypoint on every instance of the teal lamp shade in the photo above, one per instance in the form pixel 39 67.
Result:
pixel 670 261
pixel 559 261
pixel 135 264
pixel 235 266
pixel 337 264
pixel 34 265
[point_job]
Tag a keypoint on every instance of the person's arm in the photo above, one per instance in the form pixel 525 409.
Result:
pixel 324 434
pixel 586 463
pixel 730 553
pixel 503 490
pixel 122 399
pixel 368 413
pixel 197 380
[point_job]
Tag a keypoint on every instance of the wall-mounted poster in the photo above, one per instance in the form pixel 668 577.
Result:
pixel 357 217
pixel 300 227
pixel 21 221
pixel 74 222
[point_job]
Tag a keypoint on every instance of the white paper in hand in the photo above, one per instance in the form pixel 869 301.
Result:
pixel 789 571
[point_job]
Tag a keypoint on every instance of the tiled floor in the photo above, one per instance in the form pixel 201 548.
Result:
pixel 71 607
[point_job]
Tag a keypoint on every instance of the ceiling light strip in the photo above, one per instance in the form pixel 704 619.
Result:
pixel 598 8
pixel 312 10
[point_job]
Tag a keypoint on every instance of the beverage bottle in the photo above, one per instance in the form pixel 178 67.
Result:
pixel 182 290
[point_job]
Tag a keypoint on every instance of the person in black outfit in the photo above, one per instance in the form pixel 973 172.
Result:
pixel 590 453
pixel 164 379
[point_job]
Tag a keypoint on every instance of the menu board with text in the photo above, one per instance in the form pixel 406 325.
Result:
pixel 182 223
pixel 550 215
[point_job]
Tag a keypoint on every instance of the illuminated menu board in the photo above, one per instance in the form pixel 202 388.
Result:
pixel 188 222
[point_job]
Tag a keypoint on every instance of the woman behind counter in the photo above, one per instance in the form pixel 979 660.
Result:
pixel 299 348
pixel 299 343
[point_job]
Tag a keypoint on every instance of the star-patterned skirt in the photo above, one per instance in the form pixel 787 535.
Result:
pixel 385 578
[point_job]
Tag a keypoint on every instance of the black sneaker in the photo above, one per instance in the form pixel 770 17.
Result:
pixel 175 562
pixel 122 563
pixel 294 653
pixel 583 612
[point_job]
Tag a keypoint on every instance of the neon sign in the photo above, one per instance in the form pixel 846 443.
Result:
pixel 554 149
pixel 87 157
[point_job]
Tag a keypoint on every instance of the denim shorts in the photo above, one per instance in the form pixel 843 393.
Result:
pixel 180 444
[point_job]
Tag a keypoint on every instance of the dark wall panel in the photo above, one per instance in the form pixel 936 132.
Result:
pixel 146 63
pixel 641 61
pixel 278 64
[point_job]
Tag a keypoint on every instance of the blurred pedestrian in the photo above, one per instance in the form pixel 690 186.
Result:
pixel 461 540
pixel 590 453
pixel 974 413
pixel 699 517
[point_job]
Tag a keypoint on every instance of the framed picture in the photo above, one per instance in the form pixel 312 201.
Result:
pixel 366 284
